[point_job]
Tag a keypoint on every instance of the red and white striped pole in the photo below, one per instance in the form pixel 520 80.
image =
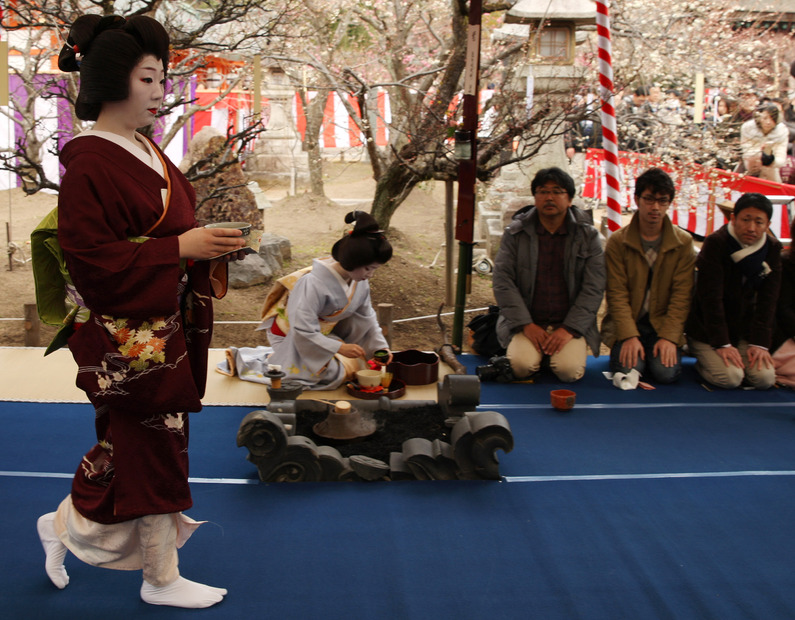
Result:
pixel 609 133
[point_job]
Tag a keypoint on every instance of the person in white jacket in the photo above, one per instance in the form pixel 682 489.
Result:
pixel 763 141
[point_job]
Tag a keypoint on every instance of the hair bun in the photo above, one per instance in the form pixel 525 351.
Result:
pixel 362 246
pixel 365 223
pixel 351 216
pixel 109 22
pixel 82 34
pixel 67 59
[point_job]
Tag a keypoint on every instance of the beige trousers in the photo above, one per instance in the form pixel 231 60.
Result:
pixel 712 369
pixel 148 543
pixel 568 364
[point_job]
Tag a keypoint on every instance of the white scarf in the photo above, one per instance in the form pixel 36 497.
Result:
pixel 747 250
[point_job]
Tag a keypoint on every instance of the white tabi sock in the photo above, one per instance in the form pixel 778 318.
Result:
pixel 54 549
pixel 182 593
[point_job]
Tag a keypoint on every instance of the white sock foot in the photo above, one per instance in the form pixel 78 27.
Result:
pixel 54 549
pixel 182 593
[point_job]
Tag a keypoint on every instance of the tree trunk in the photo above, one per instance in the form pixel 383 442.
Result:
pixel 315 160
pixel 391 190
pixel 314 120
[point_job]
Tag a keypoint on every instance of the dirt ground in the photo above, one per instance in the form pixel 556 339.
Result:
pixel 413 281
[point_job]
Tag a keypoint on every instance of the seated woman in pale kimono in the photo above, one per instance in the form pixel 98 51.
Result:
pixel 330 324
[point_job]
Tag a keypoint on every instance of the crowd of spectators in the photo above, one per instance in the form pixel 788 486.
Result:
pixel 744 132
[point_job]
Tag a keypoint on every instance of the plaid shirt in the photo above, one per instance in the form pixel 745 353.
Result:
pixel 551 298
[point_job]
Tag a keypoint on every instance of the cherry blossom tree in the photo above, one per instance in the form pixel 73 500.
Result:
pixel 318 44
pixel 415 50
pixel 735 51
pixel 199 31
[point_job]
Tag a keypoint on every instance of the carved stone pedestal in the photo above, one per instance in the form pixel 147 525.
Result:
pixel 465 448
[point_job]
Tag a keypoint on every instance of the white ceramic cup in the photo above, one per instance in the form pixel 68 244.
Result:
pixel 368 378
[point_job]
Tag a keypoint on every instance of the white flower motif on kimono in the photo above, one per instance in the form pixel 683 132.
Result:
pixel 107 378
pixel 172 422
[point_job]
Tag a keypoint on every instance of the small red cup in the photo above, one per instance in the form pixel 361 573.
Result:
pixel 562 400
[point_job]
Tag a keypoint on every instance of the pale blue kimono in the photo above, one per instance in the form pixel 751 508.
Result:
pixel 323 313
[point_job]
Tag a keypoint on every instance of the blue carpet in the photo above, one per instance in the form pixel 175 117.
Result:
pixel 681 548
pixel 672 503
pixel 595 391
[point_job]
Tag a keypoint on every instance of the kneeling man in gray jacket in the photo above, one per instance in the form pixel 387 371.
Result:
pixel 549 280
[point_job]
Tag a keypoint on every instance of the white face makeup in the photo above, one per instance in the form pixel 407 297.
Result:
pixel 147 84
pixel 147 88
pixel 364 273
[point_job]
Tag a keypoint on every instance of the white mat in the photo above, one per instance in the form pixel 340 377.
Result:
pixel 28 376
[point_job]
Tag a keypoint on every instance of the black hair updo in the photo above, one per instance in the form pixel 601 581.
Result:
pixel 362 246
pixel 105 50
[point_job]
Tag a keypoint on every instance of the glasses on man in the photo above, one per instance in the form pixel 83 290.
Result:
pixel 662 201
pixel 550 192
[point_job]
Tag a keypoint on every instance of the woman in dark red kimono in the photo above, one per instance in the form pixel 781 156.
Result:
pixel 137 259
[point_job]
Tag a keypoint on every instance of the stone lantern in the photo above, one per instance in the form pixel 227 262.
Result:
pixel 278 153
pixel 554 28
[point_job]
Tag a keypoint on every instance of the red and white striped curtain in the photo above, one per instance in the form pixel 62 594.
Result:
pixel 699 191
pixel 338 129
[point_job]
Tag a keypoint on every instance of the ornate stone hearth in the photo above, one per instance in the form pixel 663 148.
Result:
pixel 444 440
